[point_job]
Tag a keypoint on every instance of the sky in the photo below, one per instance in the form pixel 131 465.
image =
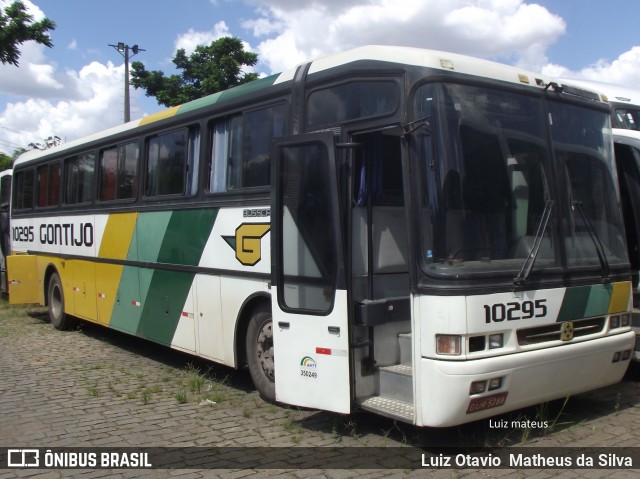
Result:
pixel 77 87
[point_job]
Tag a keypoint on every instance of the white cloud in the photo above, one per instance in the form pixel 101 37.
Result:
pixel 51 101
pixel 190 40
pixel 34 77
pixel 290 29
pixel 624 70
pixel 97 90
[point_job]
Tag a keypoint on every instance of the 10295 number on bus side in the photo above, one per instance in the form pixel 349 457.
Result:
pixel 514 311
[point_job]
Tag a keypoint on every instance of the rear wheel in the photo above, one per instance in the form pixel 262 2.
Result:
pixel 260 357
pixel 55 299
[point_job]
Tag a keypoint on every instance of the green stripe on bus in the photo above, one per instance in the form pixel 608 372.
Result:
pixel 230 94
pixel 164 292
pixel 585 301
pixel 186 235
pixel 599 299
pixel 167 292
pixel 150 301
pixel 150 232
pixel 125 315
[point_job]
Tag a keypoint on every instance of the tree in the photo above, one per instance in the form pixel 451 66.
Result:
pixel 5 162
pixel 18 151
pixel 49 142
pixel 17 27
pixel 209 69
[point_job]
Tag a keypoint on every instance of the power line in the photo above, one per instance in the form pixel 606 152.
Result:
pixel 10 143
pixel 10 129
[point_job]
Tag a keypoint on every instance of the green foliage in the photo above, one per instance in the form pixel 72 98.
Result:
pixel 18 151
pixel 17 27
pixel 209 69
pixel 5 162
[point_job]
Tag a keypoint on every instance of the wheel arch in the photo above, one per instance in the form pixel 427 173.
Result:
pixel 253 303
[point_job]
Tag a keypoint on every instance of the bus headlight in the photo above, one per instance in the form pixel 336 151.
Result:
pixel 625 320
pixel 614 322
pixel 477 387
pixel 495 383
pixel 448 344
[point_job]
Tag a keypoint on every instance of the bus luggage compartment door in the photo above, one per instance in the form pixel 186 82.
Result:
pixel 310 308
pixel 22 273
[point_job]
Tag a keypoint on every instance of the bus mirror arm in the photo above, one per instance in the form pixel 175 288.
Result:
pixel 409 128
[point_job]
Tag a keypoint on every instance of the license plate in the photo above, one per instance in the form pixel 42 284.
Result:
pixel 487 402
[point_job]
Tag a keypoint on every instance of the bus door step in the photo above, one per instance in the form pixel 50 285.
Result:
pixel 395 398
pixel 389 407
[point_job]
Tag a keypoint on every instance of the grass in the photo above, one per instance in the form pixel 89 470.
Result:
pixel 181 396
pixel 93 391
pixel 195 379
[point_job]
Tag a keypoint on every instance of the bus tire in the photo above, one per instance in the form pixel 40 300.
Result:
pixel 260 357
pixel 55 300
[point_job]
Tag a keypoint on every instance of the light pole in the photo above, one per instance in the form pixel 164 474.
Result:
pixel 124 51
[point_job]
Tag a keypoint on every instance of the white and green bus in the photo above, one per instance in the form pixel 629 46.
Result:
pixel 428 236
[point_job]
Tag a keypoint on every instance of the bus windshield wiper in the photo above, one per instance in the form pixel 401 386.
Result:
pixel 578 205
pixel 524 273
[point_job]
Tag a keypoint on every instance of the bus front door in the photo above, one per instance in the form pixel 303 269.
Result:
pixel 310 308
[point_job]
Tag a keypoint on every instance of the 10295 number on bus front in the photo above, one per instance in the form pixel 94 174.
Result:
pixel 515 311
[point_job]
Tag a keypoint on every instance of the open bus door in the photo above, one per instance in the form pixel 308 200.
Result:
pixel 310 307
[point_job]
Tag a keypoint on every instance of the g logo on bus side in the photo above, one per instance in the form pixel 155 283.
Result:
pixel 247 242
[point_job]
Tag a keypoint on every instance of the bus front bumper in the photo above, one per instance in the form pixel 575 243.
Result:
pixel 528 378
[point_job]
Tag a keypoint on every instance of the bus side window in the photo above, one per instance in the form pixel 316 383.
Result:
pixel 108 174
pixel 5 191
pixel 193 154
pixel 250 146
pixel 350 101
pixel 172 160
pixel 48 179
pixel 219 134
pixel 128 156
pixel 23 190
pixel 79 174
pixel 119 172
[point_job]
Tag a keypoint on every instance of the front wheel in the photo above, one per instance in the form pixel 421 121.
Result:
pixel 55 299
pixel 260 357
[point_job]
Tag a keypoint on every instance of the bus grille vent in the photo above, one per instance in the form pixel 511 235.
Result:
pixel 553 332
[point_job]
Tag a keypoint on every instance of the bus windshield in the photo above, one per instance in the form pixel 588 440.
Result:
pixel 626 118
pixel 488 185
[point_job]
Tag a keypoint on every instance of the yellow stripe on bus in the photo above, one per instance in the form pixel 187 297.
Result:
pixel 161 115
pixel 115 245
pixel 620 297
pixel 117 235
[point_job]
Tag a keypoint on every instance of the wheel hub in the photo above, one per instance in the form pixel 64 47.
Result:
pixel 265 350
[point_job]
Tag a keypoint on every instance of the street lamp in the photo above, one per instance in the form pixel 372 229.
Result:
pixel 124 51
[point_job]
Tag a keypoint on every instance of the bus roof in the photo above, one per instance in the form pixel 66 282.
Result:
pixel 390 54
pixel 614 93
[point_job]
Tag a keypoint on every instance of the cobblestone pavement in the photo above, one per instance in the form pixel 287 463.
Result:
pixel 98 388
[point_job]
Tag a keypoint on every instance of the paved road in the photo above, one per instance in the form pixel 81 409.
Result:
pixel 97 388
